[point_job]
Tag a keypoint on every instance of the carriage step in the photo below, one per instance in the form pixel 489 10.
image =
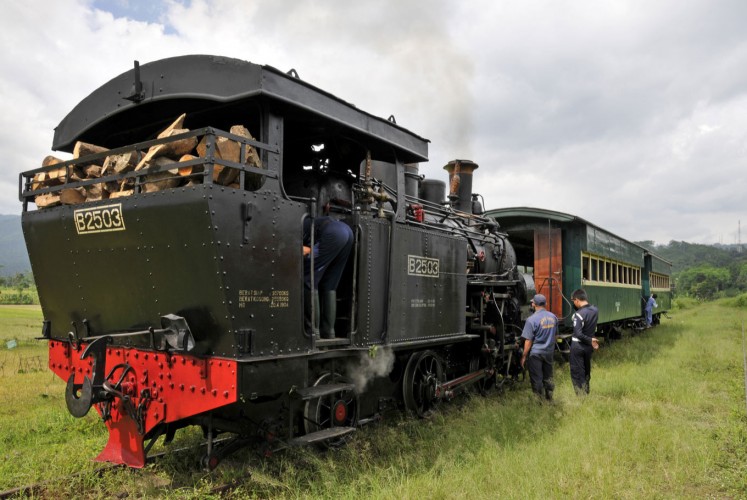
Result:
pixel 320 390
pixel 323 435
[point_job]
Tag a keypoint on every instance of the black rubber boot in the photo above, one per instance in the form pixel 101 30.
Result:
pixel 329 314
pixel 311 298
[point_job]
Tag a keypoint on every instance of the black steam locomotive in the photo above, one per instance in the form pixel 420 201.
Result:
pixel 168 256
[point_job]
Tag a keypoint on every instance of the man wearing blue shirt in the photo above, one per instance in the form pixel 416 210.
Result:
pixel 539 334
pixel 650 304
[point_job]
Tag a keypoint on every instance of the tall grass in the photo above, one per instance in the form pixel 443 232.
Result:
pixel 665 419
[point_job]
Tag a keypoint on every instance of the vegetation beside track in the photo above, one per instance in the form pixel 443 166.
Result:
pixel 666 417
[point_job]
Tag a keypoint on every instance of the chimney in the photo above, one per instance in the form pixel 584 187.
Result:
pixel 460 184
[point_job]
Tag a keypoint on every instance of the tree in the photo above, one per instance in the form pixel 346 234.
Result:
pixel 704 282
pixel 740 276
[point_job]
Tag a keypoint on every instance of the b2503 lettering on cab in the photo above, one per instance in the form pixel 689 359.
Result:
pixel 99 219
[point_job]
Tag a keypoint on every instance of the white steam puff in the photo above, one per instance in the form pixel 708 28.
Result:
pixel 374 363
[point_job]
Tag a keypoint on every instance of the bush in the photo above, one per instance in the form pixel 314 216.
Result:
pixel 738 301
pixel 16 299
pixel 685 303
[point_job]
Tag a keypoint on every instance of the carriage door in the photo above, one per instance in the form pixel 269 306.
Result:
pixel 548 268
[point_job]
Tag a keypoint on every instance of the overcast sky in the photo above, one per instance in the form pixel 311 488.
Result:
pixel 630 114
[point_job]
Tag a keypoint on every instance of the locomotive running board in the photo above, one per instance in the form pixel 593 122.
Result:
pixel 318 391
pixel 319 436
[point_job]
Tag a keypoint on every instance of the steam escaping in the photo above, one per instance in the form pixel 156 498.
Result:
pixel 377 362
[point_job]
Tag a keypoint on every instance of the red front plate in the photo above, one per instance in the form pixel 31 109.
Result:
pixel 180 386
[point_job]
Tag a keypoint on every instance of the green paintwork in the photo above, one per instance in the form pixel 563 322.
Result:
pixel 615 302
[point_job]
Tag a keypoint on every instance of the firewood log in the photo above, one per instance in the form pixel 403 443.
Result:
pixel 40 179
pixel 160 181
pixel 174 148
pixel 96 192
pixel 178 124
pixel 92 171
pixel 227 149
pixel 72 196
pixel 121 194
pixel 194 169
pixel 251 158
pixel 222 147
pixel 121 163
pixel 47 200
pixel 82 149
pixel 50 160
pixel 166 179
pixel 250 154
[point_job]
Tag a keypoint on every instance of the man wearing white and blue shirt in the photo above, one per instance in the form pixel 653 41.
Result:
pixel 584 343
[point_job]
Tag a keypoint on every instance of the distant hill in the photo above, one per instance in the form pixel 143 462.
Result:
pixel 684 255
pixel 13 256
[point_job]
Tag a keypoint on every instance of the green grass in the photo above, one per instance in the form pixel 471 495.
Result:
pixel 665 419
pixel 38 437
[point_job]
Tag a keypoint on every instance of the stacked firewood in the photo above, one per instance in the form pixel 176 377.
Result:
pixel 162 155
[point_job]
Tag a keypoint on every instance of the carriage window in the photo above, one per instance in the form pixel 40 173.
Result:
pixel 608 271
pixel 585 267
pixel 594 269
pixel 659 281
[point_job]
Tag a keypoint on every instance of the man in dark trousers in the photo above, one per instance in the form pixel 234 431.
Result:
pixel 583 342
pixel 539 335
pixel 333 240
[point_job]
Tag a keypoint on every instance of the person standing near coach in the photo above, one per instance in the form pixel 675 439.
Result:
pixel 539 335
pixel 650 305
pixel 583 342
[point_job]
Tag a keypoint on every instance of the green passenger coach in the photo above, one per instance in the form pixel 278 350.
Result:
pixel 657 274
pixel 564 252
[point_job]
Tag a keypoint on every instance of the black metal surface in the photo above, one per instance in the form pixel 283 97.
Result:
pixel 198 84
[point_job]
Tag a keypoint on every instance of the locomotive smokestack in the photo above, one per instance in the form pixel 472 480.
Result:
pixel 460 184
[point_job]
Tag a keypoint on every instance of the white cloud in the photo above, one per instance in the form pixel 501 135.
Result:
pixel 628 114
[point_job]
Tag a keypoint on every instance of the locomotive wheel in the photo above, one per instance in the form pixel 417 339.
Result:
pixel 484 386
pixel 334 410
pixel 209 462
pixel 423 373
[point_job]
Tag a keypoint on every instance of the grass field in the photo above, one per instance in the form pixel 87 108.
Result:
pixel 666 418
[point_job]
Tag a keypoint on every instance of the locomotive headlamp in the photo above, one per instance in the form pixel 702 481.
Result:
pixel 177 333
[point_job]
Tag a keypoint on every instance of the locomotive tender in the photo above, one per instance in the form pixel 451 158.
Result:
pixel 176 298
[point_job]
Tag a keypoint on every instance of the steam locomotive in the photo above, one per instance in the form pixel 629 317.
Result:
pixel 172 286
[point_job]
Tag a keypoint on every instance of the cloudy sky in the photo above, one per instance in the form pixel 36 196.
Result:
pixel 630 114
